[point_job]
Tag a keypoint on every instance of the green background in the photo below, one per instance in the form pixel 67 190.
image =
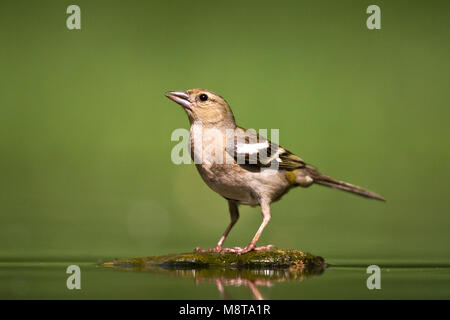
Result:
pixel 85 127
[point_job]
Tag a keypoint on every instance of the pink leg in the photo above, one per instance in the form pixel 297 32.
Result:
pixel 234 215
pixel 265 208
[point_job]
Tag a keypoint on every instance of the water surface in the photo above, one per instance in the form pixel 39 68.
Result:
pixel 47 280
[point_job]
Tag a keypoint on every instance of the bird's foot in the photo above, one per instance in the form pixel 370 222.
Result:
pixel 215 249
pixel 250 247
pixel 263 248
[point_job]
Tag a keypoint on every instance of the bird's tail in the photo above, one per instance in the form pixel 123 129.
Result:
pixel 341 185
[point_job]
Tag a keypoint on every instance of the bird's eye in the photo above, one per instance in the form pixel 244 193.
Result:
pixel 203 97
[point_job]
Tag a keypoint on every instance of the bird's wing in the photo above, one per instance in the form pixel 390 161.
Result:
pixel 251 149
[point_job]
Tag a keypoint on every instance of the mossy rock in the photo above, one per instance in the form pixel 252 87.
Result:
pixel 294 260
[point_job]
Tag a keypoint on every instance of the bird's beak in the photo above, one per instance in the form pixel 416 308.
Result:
pixel 179 97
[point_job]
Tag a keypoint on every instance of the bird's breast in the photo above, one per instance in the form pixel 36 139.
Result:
pixel 222 174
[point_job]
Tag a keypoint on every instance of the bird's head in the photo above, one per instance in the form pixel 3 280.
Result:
pixel 205 106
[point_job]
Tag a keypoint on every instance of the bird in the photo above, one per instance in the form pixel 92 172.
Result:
pixel 242 166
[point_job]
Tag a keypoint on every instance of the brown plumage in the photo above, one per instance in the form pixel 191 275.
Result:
pixel 302 170
pixel 341 185
pixel 253 170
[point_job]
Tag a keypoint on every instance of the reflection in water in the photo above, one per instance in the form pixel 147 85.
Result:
pixel 225 276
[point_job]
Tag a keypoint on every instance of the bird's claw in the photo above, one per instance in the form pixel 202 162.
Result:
pixel 215 249
pixel 233 250
pixel 263 248
pixel 237 250
pixel 250 247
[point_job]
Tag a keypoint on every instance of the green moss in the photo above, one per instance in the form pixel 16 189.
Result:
pixel 253 269
pixel 292 260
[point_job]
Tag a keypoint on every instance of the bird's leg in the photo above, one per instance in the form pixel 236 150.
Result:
pixel 234 215
pixel 265 209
